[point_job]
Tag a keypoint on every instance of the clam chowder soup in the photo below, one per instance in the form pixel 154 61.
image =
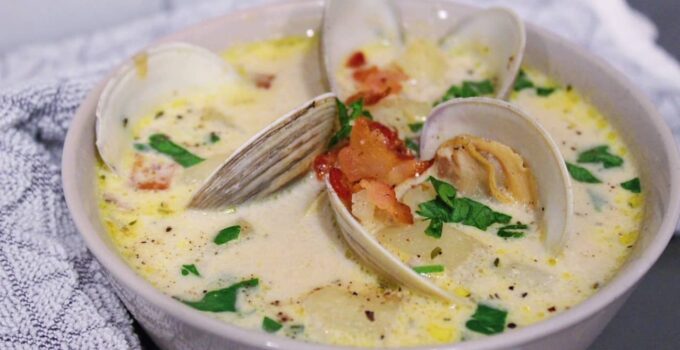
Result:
pixel 468 219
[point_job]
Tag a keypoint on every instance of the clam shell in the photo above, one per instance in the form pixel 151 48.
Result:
pixel 504 122
pixel 148 80
pixel 273 157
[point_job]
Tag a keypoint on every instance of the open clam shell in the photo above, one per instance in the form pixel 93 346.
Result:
pixel 503 122
pixel 273 157
pixel 150 78
pixel 377 257
pixel 502 32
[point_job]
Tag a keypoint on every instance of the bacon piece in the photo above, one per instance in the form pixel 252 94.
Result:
pixel 384 199
pixel 341 186
pixel 323 163
pixel 377 83
pixel 356 60
pixel 151 175
pixel 263 81
pixel 374 152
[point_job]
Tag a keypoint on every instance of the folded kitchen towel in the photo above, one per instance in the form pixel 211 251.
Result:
pixel 53 294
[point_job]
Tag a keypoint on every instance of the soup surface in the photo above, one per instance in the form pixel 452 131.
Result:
pixel 279 264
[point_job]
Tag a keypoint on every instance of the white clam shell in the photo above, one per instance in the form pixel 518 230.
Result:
pixel 377 257
pixel 148 80
pixel 503 122
pixel 502 31
pixel 351 24
pixel 273 157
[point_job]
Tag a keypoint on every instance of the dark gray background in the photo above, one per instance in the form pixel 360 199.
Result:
pixel 651 317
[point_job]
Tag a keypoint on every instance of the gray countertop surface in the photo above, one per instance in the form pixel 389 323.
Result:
pixel 651 317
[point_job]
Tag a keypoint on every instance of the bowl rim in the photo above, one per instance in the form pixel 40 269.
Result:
pixel 617 287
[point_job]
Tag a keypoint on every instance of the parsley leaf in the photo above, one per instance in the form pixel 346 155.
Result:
pixel 140 147
pixel 434 209
pixel 434 229
pixel 581 174
pixel 222 299
pixel 512 231
pixel 416 127
pixel 445 190
pixel 163 144
pixel 412 145
pixel 600 154
pixel 544 91
pixel 214 138
pixel 487 320
pixel 346 116
pixel 427 269
pixel 467 89
pixel 270 326
pixel 190 269
pixel 227 234
pixel 632 185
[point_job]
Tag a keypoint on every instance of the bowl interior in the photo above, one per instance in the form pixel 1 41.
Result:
pixel 642 128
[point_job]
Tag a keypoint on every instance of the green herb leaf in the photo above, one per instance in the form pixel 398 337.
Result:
pixel 437 251
pixel 426 269
pixel 632 185
pixel 297 328
pixel 227 234
pixel 140 147
pixel 270 326
pixel 445 191
pixel 468 89
pixel 346 117
pixel 544 91
pixel 434 229
pixel 214 138
pixel 163 144
pixel 412 145
pixel 581 174
pixel 416 127
pixel 433 209
pixel 600 154
pixel 512 231
pixel 190 269
pixel 522 82
pixel 479 216
pixel 487 320
pixel 221 300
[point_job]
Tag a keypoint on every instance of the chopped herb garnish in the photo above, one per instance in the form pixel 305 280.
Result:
pixel 487 320
pixel 447 208
pixel 445 191
pixel 437 251
pixel 222 300
pixel 522 82
pixel 416 127
pixel 163 144
pixel 270 326
pixel 600 154
pixel 190 269
pixel 544 91
pixel 426 269
pixel 140 147
pixel 346 116
pixel 227 234
pixel 512 231
pixel 214 138
pixel 297 328
pixel 581 174
pixel 632 185
pixel 412 145
pixel 468 89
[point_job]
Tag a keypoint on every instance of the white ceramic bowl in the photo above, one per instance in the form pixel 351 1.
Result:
pixel 173 325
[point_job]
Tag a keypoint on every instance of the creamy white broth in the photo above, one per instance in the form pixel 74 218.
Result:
pixel 309 281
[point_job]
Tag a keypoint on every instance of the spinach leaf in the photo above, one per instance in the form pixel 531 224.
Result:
pixel 445 191
pixel 600 154
pixel 581 174
pixel 221 300
pixel 163 144
pixel 487 320
pixel 434 229
pixel 467 89
pixel 190 269
pixel 270 326
pixel 632 185
pixel 227 234
pixel 427 269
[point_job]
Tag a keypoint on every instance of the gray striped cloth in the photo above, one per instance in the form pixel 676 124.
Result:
pixel 53 294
